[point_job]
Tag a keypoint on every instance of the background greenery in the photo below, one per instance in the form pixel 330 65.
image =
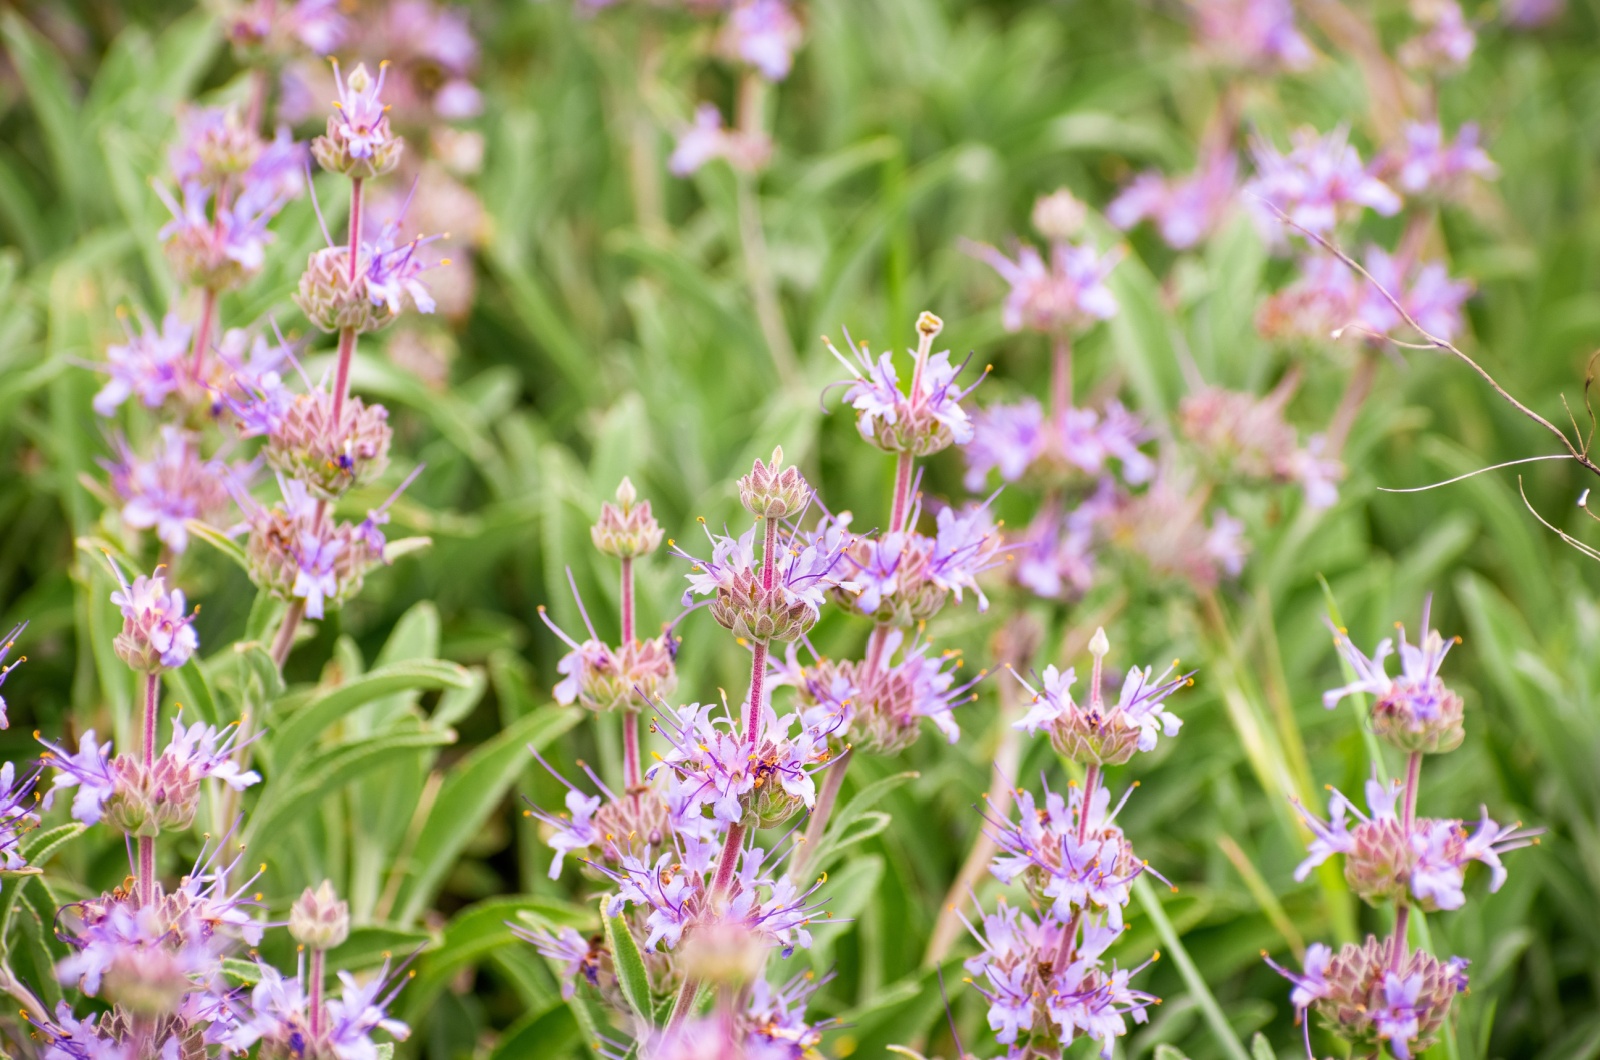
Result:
pixel 599 346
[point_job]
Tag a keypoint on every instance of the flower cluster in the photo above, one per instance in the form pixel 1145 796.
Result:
pixel 1241 436
pixel 1046 978
pixel 1319 182
pixel 1381 992
pixel 922 420
pixel 1184 210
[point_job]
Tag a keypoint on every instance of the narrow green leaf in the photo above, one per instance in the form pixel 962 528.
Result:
pixel 191 687
pixel 1168 1052
pixel 471 791
pixel 632 976
pixel 292 736
pixel 1261 1049
pixel 839 826
pixel 547 1033
pixel 1199 992
pixel 221 542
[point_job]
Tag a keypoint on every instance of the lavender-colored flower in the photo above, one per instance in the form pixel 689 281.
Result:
pixel 1319 182
pixel 156 634
pixel 220 252
pixel 91 1038
pixel 151 365
pixel 1428 294
pixel 1256 34
pixel 1064 295
pixel 358 142
pixel 1414 710
pixel 89 771
pixel 802 574
pixel 764 34
pixel 1008 439
pixel 172 487
pixel 923 419
pixel 143 960
pixel 707 140
pixel 1312 984
pixel 965 545
pixel 387 282
pixel 764 780
pixel 17 816
pixel 1166 527
pixel 276 1014
pixel 1055 554
pixel 1015 439
pixel 279 1017
pixel 360 1010
pixel 1426 164
pixel 1097 732
pixel 1531 14
pixel 213 146
pixel 1248 437
pixel 1186 210
pixel 6 668
pixel 1385 861
pixel 1320 301
pixel 880 706
pixel 276 25
pixel 295 554
pixel 579 957
pixel 1446 42
pixel 1043 848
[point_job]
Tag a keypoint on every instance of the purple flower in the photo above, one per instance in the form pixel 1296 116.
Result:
pixel 174 486
pixel 361 1009
pixel 224 251
pixel 1531 14
pixel 1397 1019
pixel 966 544
pixel 69 1038
pixel 1186 210
pixel 742 600
pixel 1258 34
pixel 89 771
pixel 1066 294
pixel 577 957
pixel 1313 984
pixel 924 418
pixel 1414 709
pixel 361 111
pixel 1016 438
pixel 207 751
pixel 6 668
pixel 1445 44
pixel 17 816
pixel 276 1014
pixel 1425 164
pixel 1319 182
pixel 1055 555
pixel 140 951
pixel 151 365
pixel 764 34
pixel 156 634
pixel 708 140
pixel 1428 294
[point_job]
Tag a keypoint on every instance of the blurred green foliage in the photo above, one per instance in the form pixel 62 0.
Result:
pixel 606 342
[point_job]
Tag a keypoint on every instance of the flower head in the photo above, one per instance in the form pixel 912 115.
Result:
pixel 1063 295
pixel 1185 210
pixel 707 140
pixel 752 604
pixel 156 634
pixel 294 554
pixel 1019 439
pixel 223 251
pixel 1414 710
pixel 359 142
pixel 1426 164
pixel 330 456
pixel 151 365
pixel 6 668
pixel 169 489
pixel 1255 34
pixel 764 34
pixel 1446 42
pixel 17 815
pixel 626 529
pixel 1319 182
pixel 1097 732
pixel 924 418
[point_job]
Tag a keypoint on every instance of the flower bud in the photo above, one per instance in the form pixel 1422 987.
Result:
pixel 626 529
pixel 156 634
pixel 1422 716
pixel 147 802
pixel 601 678
pixel 772 491
pixel 333 301
pixel 761 614
pixel 1360 994
pixel 329 457
pixel 319 919
pixel 1058 216
pixel 291 557
pixel 359 143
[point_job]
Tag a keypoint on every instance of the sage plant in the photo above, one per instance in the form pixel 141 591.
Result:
pixel 1387 993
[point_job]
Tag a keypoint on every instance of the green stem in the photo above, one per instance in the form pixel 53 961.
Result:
pixel 1199 992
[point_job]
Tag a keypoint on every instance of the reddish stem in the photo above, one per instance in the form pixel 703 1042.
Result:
pixel 202 334
pixel 627 602
pixel 1413 779
pixel 147 869
pixel 758 673
pixel 316 996
pixel 633 775
pixel 341 379
pixel 727 862
pixel 1069 939
pixel 284 641
pixel 152 709
pixel 902 492
pixel 1060 376
pixel 1398 950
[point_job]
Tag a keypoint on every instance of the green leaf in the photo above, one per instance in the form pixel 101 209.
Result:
pixel 471 791
pixel 1261 1049
pixel 632 976
pixel 45 78
pixel 246 972
pixel 1167 1052
pixel 547 1033
pixel 1199 992
pixel 291 737
pixel 842 827
pixel 221 542
pixel 191 687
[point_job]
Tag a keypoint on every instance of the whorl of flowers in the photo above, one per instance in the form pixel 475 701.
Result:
pixel 17 814
pixel 1097 732
pixel 1241 435
pixel 1380 992
pixel 330 457
pixel 1020 439
pixel 1185 210
pixel 1426 164
pixel 626 528
pixel 156 633
pixel 384 284
pixel 779 598
pixel 921 420
pixel 175 485
pixel 1059 294
pixel 297 552
pixel 1255 34
pixel 359 143
pixel 1319 182
pixel 150 366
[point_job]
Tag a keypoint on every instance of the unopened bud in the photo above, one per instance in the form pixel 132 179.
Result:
pixel 626 529
pixel 772 491
pixel 1058 216
pixel 319 920
pixel 1099 644
pixel 330 458
pixel 929 326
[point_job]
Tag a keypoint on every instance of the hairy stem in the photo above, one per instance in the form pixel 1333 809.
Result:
pixel 685 1001
pixel 1413 778
pixel 627 602
pixel 341 378
pixel 632 772
pixel 285 638
pixel 903 462
pixel 202 334
pixel 316 995
pixel 152 711
pixel 147 869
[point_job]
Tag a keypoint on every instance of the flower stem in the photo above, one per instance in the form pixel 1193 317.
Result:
pixel 903 462
pixel 1060 376
pixel 758 659
pixel 1413 778
pixel 341 379
pixel 152 710
pixel 680 1007
pixel 202 333
pixel 1398 950
pixel 353 239
pixel 627 601
pixel 285 638
pixel 147 869
pixel 316 996
pixel 726 863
